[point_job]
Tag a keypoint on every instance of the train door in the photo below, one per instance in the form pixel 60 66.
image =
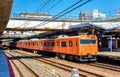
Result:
pixel 40 45
pixel 70 46
pixel 58 46
pixel 76 46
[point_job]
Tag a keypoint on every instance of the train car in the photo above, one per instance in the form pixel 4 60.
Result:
pixel 82 48
pixel 5 66
pixel 9 44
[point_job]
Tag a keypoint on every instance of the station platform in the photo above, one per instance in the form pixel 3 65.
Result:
pixel 109 54
pixel 5 67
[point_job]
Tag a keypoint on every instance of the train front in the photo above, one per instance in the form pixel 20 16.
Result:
pixel 88 48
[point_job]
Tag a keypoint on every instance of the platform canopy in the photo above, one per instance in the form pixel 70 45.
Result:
pixel 85 28
pixel 104 28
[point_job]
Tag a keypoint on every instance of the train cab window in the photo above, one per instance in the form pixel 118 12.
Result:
pixel 45 44
pixel 63 44
pixel 70 43
pixel 58 43
pixel 53 43
pixel 92 41
pixel 87 41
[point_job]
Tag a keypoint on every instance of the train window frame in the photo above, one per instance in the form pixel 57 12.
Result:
pixel 63 44
pixel 25 44
pixel 58 43
pixel 52 44
pixel 22 44
pixel 48 43
pixel 38 43
pixel 33 44
pixel 87 41
pixel 76 43
pixel 45 44
pixel 70 44
pixel 29 44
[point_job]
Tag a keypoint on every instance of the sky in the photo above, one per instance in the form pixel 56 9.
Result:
pixel 104 6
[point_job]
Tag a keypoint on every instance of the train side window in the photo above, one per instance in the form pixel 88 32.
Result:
pixel 76 43
pixel 53 43
pixel 63 44
pixel 44 43
pixel 70 43
pixel 33 43
pixel 48 43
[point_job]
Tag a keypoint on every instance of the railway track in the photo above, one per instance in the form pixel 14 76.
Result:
pixel 19 72
pixel 46 62
pixel 82 73
pixel 106 66
pixel 32 73
pixel 63 66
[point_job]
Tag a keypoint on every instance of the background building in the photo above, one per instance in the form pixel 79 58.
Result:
pixel 118 13
pixel 44 16
pixel 95 15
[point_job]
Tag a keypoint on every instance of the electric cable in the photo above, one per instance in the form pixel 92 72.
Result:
pixel 58 15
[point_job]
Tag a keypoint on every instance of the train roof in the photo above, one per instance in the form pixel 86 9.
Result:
pixel 76 36
pixel 60 38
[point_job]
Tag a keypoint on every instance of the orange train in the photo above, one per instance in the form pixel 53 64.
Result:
pixel 82 48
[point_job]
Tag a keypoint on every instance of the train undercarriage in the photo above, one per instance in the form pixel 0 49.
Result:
pixel 85 58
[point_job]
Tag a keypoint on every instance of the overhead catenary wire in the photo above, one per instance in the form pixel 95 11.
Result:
pixel 37 10
pixel 54 5
pixel 68 8
pixel 60 15
pixel 73 9
pixel 40 9
pixel 48 5
pixel 62 12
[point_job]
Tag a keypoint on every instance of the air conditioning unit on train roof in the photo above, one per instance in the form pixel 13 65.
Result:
pixel 63 35
pixel 34 39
